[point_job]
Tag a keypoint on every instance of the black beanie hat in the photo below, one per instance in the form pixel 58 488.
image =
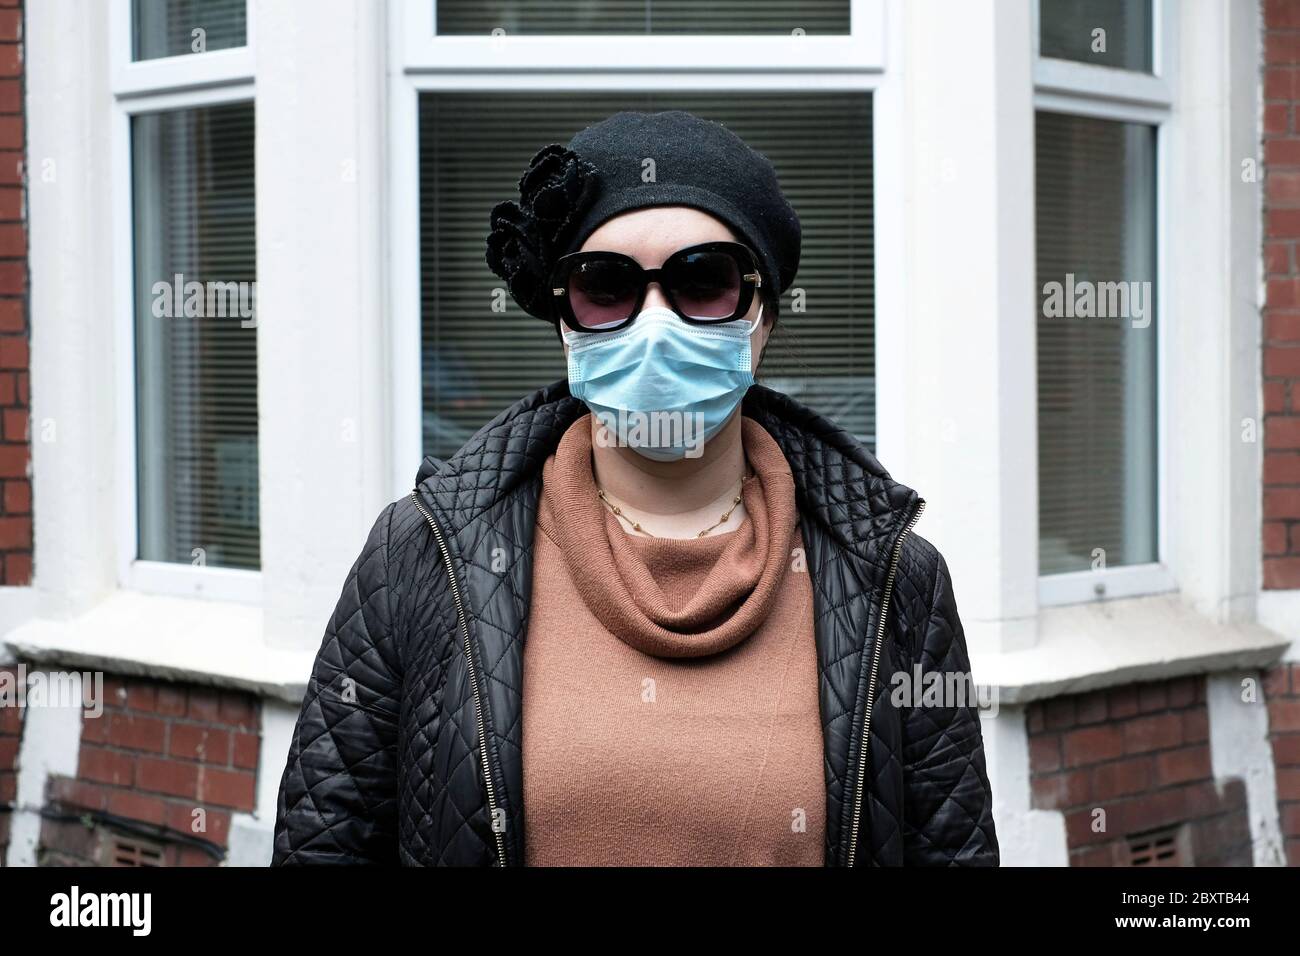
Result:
pixel 567 192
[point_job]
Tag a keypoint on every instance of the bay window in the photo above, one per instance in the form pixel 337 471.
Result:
pixel 1097 372
pixel 196 366
pixel 607 17
pixel 764 70
pixel 474 145
pixel 1112 33
pixel 162 28
pixel 183 166
pixel 1102 100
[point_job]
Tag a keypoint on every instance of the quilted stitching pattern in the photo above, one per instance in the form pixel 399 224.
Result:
pixel 947 813
pixel 337 800
pixel 395 773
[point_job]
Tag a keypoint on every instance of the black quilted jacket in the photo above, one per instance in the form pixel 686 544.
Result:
pixel 408 747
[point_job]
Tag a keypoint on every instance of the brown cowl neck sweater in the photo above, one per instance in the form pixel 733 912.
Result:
pixel 670 686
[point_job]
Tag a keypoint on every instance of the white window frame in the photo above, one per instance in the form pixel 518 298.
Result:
pixel 423 62
pixel 139 87
pixel 1099 92
pixel 418 46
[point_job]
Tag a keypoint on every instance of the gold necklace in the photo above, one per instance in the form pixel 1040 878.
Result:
pixel 636 526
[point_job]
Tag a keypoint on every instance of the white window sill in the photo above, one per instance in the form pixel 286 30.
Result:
pixel 181 639
pixel 1080 647
pixel 1084 647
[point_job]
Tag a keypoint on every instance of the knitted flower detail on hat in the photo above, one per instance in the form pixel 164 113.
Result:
pixel 527 236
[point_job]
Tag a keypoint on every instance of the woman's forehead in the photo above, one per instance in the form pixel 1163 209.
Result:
pixel 652 234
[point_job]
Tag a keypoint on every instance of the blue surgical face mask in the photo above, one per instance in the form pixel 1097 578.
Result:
pixel 663 386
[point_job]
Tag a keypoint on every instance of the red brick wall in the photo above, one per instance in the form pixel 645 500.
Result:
pixel 15 448
pixel 1281 433
pixel 11 731
pixel 1282 690
pixel 1141 754
pixel 159 752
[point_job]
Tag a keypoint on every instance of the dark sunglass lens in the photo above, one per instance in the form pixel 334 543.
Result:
pixel 603 292
pixel 706 285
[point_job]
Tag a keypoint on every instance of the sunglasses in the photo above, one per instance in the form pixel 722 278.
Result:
pixel 705 284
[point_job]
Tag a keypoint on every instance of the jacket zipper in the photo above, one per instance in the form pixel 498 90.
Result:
pixel 871 684
pixel 473 674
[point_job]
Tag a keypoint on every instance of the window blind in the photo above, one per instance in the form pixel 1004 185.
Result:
pixel 615 17
pixel 1097 433
pixel 166 27
pixel 475 146
pixel 196 370
pixel 1068 30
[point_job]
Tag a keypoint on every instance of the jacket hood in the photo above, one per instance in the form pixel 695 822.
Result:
pixel 838 482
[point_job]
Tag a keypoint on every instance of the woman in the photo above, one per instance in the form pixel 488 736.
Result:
pixel 638 617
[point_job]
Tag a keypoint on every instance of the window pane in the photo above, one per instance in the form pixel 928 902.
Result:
pixel 577 17
pixel 1114 33
pixel 196 347
pixel 1097 436
pixel 473 148
pixel 168 27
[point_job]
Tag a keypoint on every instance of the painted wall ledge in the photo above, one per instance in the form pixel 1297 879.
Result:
pixel 1085 647
pixel 1080 647
pixel 1280 611
pixel 178 639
